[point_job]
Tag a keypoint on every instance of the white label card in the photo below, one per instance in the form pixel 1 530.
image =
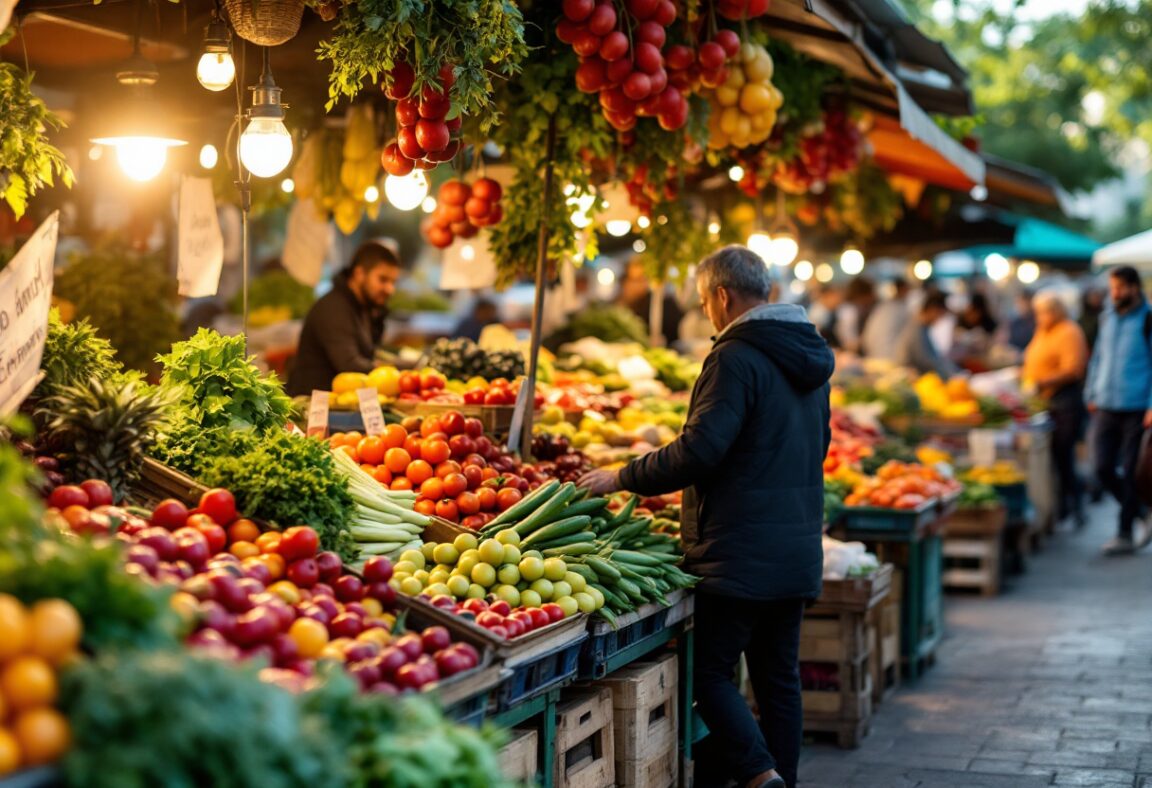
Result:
pixel 200 242
pixel 25 297
pixel 371 411
pixel 318 414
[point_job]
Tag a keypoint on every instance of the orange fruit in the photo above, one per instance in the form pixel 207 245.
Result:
pixel 401 483
pixel 14 627
pixel 56 630
pixel 310 637
pixel 244 549
pixel 382 475
pixel 43 735
pixel 9 752
pixel 394 436
pixel 243 530
pixel 268 542
pixel 419 472
pixel 28 681
pixel 397 460
pixel 372 450
pixel 351 452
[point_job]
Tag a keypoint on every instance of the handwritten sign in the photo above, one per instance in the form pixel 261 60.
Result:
pixel 308 239
pixel 371 411
pixel 200 254
pixel 25 297
pixel 318 414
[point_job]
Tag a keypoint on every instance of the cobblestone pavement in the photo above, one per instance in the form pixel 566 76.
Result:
pixel 1048 684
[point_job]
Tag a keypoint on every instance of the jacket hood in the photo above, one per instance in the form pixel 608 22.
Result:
pixel 783 333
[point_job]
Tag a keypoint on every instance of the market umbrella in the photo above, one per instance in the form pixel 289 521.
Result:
pixel 1135 250
pixel 1044 242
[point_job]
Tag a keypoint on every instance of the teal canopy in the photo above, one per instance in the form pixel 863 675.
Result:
pixel 1043 242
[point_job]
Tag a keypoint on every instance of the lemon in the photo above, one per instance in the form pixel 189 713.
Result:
pixel 484 575
pixel 465 542
pixel 577 582
pixel 508 593
pixel 477 591
pixel 446 554
pixel 415 557
pixel 569 605
pixel 543 587
pixel 530 599
pixel 508 536
pixel 458 586
pixel 491 552
pixel 512 554
pixel 585 602
pixel 508 574
pixel 555 569
pixel 561 589
pixel 410 586
pixel 531 568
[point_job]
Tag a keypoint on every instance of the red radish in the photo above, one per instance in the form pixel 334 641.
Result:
pixel 407 111
pixel 567 30
pixel 477 208
pixel 490 190
pixel 408 143
pixel 440 237
pixel 728 41
pixel 642 9
pixel 618 71
pixel 637 86
pixel 665 13
pixel 586 44
pixel 659 81
pixel 679 57
pixel 433 104
pixel 99 492
pixel 447 76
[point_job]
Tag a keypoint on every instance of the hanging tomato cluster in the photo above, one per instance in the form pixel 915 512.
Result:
pixel 825 155
pixel 622 59
pixel 424 137
pixel 744 107
pixel 461 210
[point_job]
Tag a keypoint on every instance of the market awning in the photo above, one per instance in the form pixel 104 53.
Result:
pixel 1007 180
pixel 1043 242
pixel 916 237
pixel 1135 250
pixel 906 139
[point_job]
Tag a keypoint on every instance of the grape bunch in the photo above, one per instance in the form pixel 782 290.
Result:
pixel 745 106
pixel 628 71
pixel 461 210
pixel 425 136
pixel 833 150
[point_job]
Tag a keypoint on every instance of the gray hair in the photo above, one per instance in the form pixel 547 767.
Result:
pixel 738 269
pixel 1050 300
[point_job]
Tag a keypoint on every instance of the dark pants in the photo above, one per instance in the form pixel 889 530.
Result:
pixel 1067 411
pixel 1117 435
pixel 768 634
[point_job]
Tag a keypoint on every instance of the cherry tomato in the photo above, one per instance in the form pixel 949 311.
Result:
pixel 507 498
pixel 454 484
pixel 298 542
pixel 468 503
pixel 435 451
pixel 219 505
pixel 448 510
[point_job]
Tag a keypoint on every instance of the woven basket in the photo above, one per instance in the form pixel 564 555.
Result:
pixel 267 23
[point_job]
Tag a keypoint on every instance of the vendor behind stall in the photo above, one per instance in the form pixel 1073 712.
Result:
pixel 343 329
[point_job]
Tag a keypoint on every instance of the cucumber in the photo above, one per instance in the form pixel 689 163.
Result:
pixel 625 512
pixel 590 507
pixel 606 569
pixel 584 571
pixel 548 511
pixel 635 558
pixel 571 550
pixel 565 527
pixel 576 538
pixel 599 524
pixel 631 589
pixel 522 508
pixel 611 597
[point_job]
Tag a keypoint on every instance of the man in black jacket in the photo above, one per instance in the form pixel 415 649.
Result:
pixel 751 462
pixel 343 328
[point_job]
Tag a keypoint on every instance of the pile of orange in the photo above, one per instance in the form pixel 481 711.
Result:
pixel 901 485
pixel 34 642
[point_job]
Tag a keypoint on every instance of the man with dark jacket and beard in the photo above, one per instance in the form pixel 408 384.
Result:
pixel 342 329
pixel 750 460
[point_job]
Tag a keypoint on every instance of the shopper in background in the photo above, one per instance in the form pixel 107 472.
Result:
pixel 1055 363
pixel 851 317
pixel 915 348
pixel 484 313
pixel 636 290
pixel 975 334
pixel 1091 307
pixel 1023 325
pixel 885 324
pixel 751 458
pixel 343 329
pixel 825 313
pixel 1119 397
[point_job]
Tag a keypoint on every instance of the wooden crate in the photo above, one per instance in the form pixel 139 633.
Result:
pixel 585 744
pixel 645 723
pixel 520 757
pixel 973 550
pixel 842 640
pixel 884 636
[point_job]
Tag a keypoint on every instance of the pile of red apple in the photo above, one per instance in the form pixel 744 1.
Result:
pixel 498 617
pixel 272 596
pixel 461 210
pixel 425 136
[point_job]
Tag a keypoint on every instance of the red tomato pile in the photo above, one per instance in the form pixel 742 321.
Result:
pixel 272 595
pixel 899 485
pixel 425 137
pixel 499 618
pixel 461 210
pixel 459 473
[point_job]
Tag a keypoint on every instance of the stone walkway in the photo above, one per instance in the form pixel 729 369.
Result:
pixel 1048 684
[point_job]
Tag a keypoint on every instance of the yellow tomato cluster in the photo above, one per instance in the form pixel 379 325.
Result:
pixel 951 400
pixel 930 455
pixel 34 642
pixel 1000 473
pixel 744 107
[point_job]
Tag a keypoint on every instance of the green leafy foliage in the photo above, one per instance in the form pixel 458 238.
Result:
pixel 477 37
pixel 978 496
pixel 674 371
pixel 220 387
pixel 73 354
pixel 28 162
pixel 546 93
pixel 276 288
pixel 128 297
pixel 174 719
pixel 461 359
pixel 287 480
pixel 20 510
pixel 606 322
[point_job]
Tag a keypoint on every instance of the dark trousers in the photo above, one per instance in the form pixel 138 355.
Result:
pixel 1067 412
pixel 1116 435
pixel 768 634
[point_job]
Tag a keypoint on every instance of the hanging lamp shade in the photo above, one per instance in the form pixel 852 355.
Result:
pixel 266 23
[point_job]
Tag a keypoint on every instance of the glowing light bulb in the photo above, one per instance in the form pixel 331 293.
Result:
pixel 714 228
pixel 141 158
pixel 824 273
pixel 852 261
pixel 1028 272
pixel 208 156
pixel 735 173
pixel 618 227
pixel 216 70
pixel 997 267
pixel 761 244
pixel 922 270
pixel 803 270
pixel 406 192
pixel 606 276
pixel 783 249
pixel 429 204
pixel 467 252
pixel 287 185
pixel 643 222
pixel 265 147
pixel 639 246
pixel 371 194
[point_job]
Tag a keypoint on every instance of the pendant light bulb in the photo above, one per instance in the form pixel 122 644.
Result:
pixel 216 69
pixel 141 158
pixel 266 145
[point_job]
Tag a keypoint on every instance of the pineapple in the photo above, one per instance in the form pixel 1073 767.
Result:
pixel 102 429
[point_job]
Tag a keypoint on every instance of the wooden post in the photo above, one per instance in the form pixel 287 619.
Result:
pixel 528 389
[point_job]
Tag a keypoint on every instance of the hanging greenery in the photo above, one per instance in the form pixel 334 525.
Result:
pixel 474 37
pixel 28 162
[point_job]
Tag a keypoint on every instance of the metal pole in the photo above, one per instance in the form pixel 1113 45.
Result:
pixel 529 398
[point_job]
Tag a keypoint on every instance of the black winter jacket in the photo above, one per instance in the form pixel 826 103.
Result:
pixel 340 334
pixel 752 457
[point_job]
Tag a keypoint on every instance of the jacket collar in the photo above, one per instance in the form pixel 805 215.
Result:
pixel 786 313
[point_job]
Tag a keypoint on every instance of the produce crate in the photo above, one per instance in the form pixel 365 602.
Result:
pixel 973 549
pixel 646 624
pixel 519 759
pixel 585 746
pixel 440 530
pixel 855 593
pixel 539 673
pixel 645 723
pixel 875 518
pixel 157 481
pixel 884 636
pixel 497 419
pixel 837 647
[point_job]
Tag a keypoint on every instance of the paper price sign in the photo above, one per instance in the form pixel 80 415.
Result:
pixel 370 411
pixel 25 296
pixel 318 414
